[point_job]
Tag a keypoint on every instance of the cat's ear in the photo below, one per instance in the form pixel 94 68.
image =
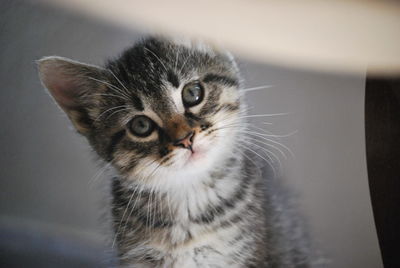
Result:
pixel 71 84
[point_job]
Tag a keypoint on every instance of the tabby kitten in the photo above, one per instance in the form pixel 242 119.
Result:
pixel 170 118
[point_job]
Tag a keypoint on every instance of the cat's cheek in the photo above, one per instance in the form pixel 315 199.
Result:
pixel 179 159
pixel 142 169
pixel 197 155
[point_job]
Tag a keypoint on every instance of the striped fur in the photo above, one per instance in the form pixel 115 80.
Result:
pixel 210 206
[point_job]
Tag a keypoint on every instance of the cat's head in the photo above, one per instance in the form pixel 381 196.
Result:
pixel 161 110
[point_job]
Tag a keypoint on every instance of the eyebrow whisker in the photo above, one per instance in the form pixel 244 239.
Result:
pixel 156 58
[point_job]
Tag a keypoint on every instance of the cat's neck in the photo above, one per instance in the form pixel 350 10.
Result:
pixel 180 215
pixel 183 181
pixel 185 202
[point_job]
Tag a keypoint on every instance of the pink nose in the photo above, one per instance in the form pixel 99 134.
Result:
pixel 186 142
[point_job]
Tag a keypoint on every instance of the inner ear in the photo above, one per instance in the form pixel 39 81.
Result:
pixel 63 87
pixel 71 84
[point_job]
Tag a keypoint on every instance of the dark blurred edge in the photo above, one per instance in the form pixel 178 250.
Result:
pixel 382 127
pixel 28 245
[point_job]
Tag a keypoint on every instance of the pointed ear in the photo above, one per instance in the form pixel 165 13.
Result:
pixel 72 84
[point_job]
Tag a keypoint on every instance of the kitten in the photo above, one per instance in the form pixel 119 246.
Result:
pixel 170 118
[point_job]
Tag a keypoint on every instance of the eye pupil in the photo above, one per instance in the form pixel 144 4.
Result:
pixel 141 126
pixel 192 94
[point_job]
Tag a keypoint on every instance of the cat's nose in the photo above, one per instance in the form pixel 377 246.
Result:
pixel 186 141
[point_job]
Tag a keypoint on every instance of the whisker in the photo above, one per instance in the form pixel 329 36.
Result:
pixel 160 214
pixel 152 208
pixel 99 173
pixel 118 111
pixel 187 59
pixel 245 126
pixel 261 129
pixel 252 142
pixel 281 135
pixel 262 115
pixel 110 109
pixel 257 88
pixel 266 151
pixel 148 212
pixel 265 137
pixel 176 60
pixel 143 167
pixel 269 163
pixel 149 203
pixel 249 158
pixel 157 58
pixel 116 89
pixel 138 197
pixel 123 215
pixel 262 136
pixel 108 95
pixel 119 81
pixel 268 144
pixel 169 205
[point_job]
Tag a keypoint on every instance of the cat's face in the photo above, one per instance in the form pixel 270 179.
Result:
pixel 162 111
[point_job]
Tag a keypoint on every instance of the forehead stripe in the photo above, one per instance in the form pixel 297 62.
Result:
pixel 137 103
pixel 221 79
pixel 173 78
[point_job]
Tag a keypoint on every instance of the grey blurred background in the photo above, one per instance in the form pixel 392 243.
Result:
pixel 50 178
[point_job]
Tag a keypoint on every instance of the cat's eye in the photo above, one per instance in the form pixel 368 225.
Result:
pixel 192 94
pixel 141 126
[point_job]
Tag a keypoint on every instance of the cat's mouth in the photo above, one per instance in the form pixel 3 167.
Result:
pixel 197 153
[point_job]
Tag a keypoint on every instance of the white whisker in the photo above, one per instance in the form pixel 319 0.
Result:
pixel 123 215
pixel 262 115
pixel 138 197
pixel 265 142
pixel 119 81
pixel 257 88
pixel 269 163
pixel 110 109
pixel 109 95
pixel 253 142
pixel 176 60
pixel 266 151
pixel 116 89
pixel 154 54
pixel 183 65
pixel 99 173
pixel 118 111
pixel 265 137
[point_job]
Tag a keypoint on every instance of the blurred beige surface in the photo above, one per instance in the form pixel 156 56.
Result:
pixel 331 35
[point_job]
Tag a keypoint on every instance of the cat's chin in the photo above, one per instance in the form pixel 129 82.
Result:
pixel 193 158
pixel 199 155
pixel 196 156
pixel 205 154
